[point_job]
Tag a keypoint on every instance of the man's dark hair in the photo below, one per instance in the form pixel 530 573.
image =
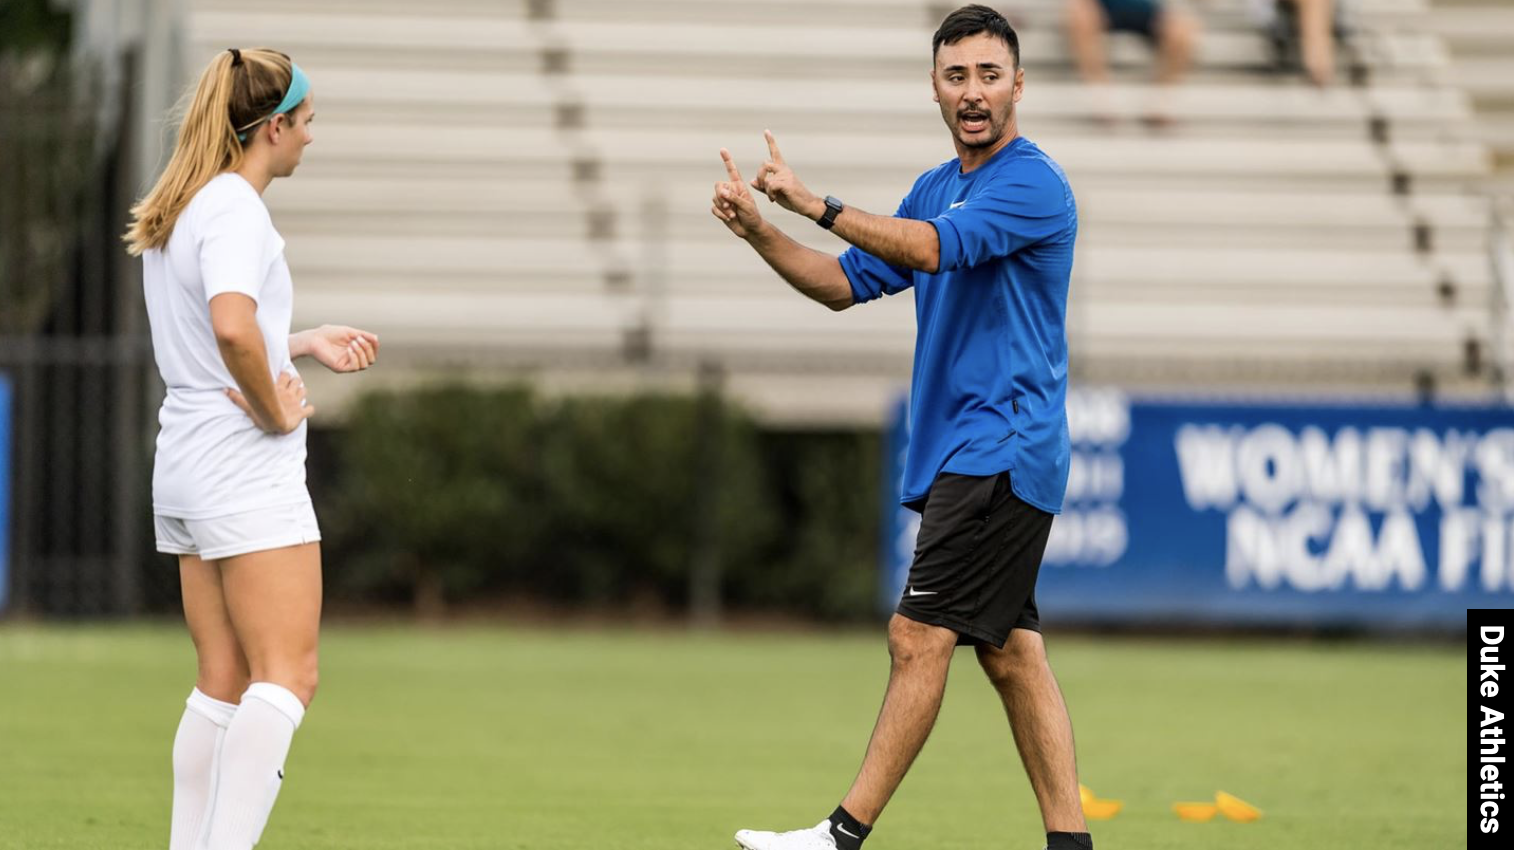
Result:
pixel 971 20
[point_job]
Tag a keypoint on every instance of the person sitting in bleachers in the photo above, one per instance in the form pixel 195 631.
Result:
pixel 1172 32
pixel 1303 34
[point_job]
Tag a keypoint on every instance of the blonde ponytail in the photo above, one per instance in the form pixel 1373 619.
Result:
pixel 236 89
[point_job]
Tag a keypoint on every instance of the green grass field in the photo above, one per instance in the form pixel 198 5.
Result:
pixel 464 738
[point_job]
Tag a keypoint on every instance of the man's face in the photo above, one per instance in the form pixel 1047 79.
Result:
pixel 977 85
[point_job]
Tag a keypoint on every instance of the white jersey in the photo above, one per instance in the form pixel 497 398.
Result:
pixel 212 461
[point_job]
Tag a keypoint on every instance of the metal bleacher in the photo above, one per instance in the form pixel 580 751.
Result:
pixel 1479 38
pixel 524 186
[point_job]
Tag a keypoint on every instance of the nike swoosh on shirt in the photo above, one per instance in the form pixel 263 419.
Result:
pixel 913 592
pixel 954 206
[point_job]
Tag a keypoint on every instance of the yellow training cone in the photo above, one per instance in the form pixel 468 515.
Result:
pixel 1096 809
pixel 1235 808
pixel 1195 812
pixel 1101 809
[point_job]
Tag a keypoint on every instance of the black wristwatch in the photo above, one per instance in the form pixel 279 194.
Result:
pixel 833 208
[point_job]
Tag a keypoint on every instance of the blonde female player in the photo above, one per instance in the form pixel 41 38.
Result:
pixel 229 494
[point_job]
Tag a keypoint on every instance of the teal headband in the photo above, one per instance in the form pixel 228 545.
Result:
pixel 299 86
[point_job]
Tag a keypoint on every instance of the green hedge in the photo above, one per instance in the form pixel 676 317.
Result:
pixel 34 25
pixel 453 493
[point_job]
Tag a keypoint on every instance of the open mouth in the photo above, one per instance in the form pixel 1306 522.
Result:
pixel 973 122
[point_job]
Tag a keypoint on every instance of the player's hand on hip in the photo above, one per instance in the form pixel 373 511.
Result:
pixel 776 180
pixel 733 204
pixel 343 349
pixel 294 408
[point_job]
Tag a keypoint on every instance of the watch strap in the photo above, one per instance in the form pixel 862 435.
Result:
pixel 833 208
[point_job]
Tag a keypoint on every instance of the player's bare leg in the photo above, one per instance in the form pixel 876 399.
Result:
pixel 222 677
pixel 1042 729
pixel 1315 39
pixel 1177 37
pixel 223 671
pixel 274 601
pixel 1085 23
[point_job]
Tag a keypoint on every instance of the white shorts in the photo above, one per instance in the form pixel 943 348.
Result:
pixel 238 534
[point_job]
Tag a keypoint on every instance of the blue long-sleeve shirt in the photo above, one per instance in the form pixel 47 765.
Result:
pixel 989 391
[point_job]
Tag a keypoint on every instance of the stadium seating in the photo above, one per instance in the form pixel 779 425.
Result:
pixel 1479 36
pixel 526 185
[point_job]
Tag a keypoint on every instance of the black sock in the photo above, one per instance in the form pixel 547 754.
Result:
pixel 847 830
pixel 1069 841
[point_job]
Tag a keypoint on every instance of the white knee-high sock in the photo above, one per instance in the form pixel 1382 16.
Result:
pixel 195 749
pixel 252 765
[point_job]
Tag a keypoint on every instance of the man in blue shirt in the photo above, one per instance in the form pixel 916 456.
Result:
pixel 986 241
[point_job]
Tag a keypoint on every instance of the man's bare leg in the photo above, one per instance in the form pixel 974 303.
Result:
pixel 1042 729
pixel 921 656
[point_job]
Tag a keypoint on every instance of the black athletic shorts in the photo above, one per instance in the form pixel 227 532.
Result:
pixel 1141 17
pixel 976 559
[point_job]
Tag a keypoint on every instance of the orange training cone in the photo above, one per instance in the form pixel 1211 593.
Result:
pixel 1235 808
pixel 1195 812
pixel 1096 809
pixel 1102 809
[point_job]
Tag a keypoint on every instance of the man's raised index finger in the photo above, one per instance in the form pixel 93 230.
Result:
pixel 730 165
pixel 773 147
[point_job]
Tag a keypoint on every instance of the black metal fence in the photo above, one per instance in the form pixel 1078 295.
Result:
pixel 73 344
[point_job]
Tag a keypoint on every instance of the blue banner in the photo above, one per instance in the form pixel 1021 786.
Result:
pixel 5 486
pixel 1280 514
